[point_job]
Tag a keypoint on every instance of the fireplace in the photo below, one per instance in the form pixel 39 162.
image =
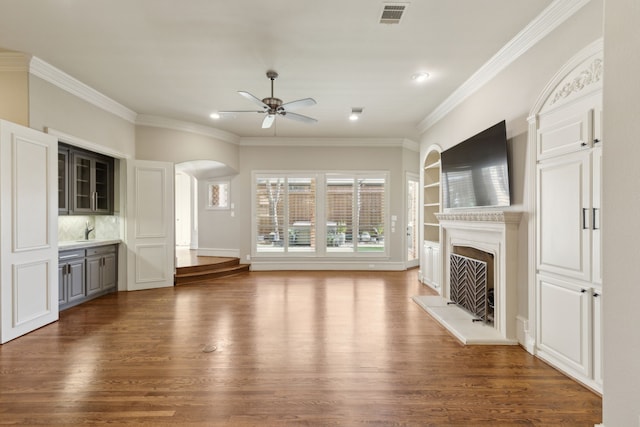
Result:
pixel 472 286
pixel 487 237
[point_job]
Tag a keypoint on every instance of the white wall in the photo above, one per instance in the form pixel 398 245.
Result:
pixel 510 96
pixel 397 160
pixel 50 106
pixel 176 146
pixel 621 206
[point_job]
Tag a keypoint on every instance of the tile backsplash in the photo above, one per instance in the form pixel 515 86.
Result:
pixel 71 227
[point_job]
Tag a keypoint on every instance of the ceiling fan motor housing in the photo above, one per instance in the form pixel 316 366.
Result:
pixel 273 103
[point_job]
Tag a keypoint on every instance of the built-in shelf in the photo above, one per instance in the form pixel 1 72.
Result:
pixel 434 165
pixel 431 200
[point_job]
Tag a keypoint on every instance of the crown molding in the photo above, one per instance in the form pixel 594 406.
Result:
pixel 165 123
pixel 330 142
pixel 13 61
pixel 550 18
pixel 64 81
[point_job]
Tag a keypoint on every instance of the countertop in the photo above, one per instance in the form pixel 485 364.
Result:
pixel 82 244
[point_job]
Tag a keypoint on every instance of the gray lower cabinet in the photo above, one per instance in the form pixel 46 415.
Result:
pixel 84 274
pixel 101 269
pixel 71 278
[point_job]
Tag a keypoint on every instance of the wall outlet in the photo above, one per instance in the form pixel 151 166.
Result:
pixel 372 266
pixel 248 257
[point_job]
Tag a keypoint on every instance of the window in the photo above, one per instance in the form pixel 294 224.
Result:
pixel 352 206
pixel 355 214
pixel 218 195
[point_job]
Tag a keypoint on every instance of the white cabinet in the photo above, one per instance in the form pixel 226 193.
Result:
pixel 569 244
pixel 564 215
pixel 431 265
pixel 569 329
pixel 564 327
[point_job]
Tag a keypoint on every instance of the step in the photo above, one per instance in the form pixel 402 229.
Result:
pixel 230 262
pixel 213 272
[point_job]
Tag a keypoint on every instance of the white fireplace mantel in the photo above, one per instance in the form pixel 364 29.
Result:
pixel 494 232
pixel 507 217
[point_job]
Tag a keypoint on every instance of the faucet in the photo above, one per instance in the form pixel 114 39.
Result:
pixel 87 230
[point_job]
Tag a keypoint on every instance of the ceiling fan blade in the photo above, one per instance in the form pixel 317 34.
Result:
pixel 254 99
pixel 268 121
pixel 241 111
pixel 300 103
pixel 299 117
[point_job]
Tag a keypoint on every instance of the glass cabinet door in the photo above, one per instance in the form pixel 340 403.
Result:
pixel 102 184
pixel 82 200
pixel 63 182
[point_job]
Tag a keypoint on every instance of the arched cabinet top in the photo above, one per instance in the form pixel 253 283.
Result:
pixel 580 76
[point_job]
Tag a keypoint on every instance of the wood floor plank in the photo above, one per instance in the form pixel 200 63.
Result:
pixel 291 348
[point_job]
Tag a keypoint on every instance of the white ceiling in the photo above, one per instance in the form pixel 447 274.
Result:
pixel 185 59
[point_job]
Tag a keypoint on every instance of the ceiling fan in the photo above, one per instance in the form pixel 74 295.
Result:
pixel 273 106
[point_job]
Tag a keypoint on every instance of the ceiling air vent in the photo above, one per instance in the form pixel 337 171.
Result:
pixel 392 13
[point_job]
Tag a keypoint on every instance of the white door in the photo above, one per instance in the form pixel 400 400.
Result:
pixel 413 215
pixel 29 228
pixel 151 235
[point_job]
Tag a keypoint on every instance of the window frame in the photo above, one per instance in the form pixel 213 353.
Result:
pixel 320 250
pixel 218 182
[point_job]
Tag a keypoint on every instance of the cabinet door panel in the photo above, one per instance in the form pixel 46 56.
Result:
pixel 75 281
pixel 62 284
pixel 82 185
pixel 597 337
pixel 436 265
pixel 109 271
pixel 93 275
pixel 563 323
pixel 102 171
pixel 596 215
pixel 63 181
pixel 564 216
pixel 564 134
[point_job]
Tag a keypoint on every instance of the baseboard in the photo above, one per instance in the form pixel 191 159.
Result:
pixel 257 265
pixel 228 253
pixel 524 338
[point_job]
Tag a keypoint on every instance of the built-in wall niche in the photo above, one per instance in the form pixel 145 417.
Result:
pixel 430 264
pixel 431 196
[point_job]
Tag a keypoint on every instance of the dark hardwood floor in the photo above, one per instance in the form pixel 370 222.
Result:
pixel 290 348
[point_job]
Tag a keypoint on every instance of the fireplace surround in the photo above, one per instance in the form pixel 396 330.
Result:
pixel 494 233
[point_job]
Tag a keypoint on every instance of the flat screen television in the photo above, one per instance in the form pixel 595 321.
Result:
pixel 475 172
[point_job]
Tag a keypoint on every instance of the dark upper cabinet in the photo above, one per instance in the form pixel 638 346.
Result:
pixel 88 180
pixel 63 181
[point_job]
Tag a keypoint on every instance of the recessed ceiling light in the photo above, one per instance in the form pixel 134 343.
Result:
pixel 355 113
pixel 214 116
pixel 420 77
